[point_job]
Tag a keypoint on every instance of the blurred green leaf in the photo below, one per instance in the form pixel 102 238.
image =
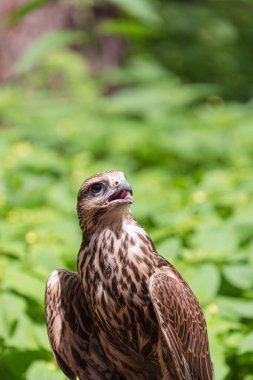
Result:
pixel 27 335
pixel 24 283
pixel 11 307
pixel 143 10
pixel 170 248
pixel 241 276
pixel 246 345
pixel 216 241
pixel 150 100
pixel 234 307
pixel 126 28
pixel 46 44
pixel 204 281
pixel 23 10
pixel 221 369
pixel 43 371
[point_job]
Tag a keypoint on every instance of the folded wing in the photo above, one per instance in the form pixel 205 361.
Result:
pixel 184 350
pixel 71 332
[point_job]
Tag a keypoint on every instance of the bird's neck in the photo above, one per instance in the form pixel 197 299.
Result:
pixel 114 246
pixel 95 225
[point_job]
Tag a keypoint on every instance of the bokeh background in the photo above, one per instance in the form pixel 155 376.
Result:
pixel 161 89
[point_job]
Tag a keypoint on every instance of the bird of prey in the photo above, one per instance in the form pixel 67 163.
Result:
pixel 126 313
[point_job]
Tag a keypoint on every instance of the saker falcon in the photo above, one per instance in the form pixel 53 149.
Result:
pixel 127 313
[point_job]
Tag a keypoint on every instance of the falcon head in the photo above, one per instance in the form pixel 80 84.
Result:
pixel 103 197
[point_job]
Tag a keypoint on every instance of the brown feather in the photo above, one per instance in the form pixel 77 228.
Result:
pixel 182 325
pixel 141 318
pixel 71 332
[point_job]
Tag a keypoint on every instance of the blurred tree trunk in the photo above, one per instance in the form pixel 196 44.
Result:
pixel 54 15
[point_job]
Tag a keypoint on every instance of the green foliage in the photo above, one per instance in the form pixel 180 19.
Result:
pixel 143 10
pixel 202 41
pixel 188 155
pixel 44 45
pixel 25 9
pixel 190 163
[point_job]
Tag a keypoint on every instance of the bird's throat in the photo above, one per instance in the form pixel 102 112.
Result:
pixel 113 255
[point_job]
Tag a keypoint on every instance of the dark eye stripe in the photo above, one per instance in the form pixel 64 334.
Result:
pixel 96 187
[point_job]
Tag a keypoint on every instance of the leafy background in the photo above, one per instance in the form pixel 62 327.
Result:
pixel 179 124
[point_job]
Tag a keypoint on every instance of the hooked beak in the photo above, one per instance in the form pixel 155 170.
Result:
pixel 122 194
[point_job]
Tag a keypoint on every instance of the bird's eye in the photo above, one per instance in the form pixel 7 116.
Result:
pixel 96 187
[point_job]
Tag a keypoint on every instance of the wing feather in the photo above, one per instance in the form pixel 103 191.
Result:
pixel 70 330
pixel 182 325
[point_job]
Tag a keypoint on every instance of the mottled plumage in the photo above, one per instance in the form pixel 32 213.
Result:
pixel 127 313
